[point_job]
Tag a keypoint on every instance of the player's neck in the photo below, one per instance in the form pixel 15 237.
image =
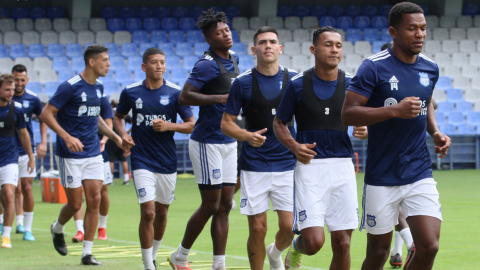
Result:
pixel 403 56
pixel 326 73
pixel 3 103
pixel 19 94
pixel 89 76
pixel 153 84
pixel 267 69
pixel 223 53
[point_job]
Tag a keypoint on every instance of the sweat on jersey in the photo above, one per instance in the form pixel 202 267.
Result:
pixel 397 151
pixel 153 151
pixel 8 145
pixel 272 156
pixel 207 128
pixel 106 112
pixel 330 143
pixel 31 104
pixel 78 105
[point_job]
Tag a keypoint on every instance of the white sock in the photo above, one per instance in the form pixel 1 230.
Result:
pixel 103 222
pixel 58 228
pixel 79 225
pixel 28 221
pixel 87 247
pixel 276 254
pixel 126 177
pixel 182 253
pixel 147 258
pixel 20 220
pixel 1 219
pixel 7 231
pixel 407 237
pixel 397 245
pixel 218 259
pixel 156 246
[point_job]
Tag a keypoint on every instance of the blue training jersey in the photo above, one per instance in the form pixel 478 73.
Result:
pixel 272 156
pixel 78 105
pixel 397 148
pixel 330 143
pixel 8 145
pixel 207 128
pixel 31 105
pixel 153 151
pixel 106 112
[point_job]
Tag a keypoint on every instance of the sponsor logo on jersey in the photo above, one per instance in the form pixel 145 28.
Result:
pixel 84 97
pixel 371 220
pixel 89 110
pixel 390 102
pixel 216 173
pixel 243 203
pixel 99 94
pixel 164 100
pixel 2 124
pixel 149 119
pixel 302 215
pixel 26 104
pixel 27 119
pixel 142 192
pixel 70 179
pixel 274 111
pixel 393 83
pixel 424 80
pixel 139 104
pixel 140 118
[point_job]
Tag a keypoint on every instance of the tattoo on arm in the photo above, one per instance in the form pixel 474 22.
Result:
pixel 105 130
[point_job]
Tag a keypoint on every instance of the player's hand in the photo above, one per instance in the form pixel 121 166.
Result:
pixel 31 164
pixel 442 143
pixel 42 150
pixel 224 99
pixel 126 142
pixel 161 126
pixel 360 132
pixel 102 145
pixel 74 144
pixel 304 153
pixel 408 108
pixel 256 139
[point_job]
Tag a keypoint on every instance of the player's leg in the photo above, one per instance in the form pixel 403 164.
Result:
pixel 19 208
pixel 160 224
pixel 78 219
pixel 126 174
pixel 377 251
pixel 8 193
pixel 402 235
pixel 28 205
pixel 341 249
pixel 104 206
pixel 257 225
pixel 146 231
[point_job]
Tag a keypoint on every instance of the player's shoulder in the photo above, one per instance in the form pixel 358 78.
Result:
pixel 173 86
pixel 30 93
pixel 291 73
pixel 348 75
pixel 18 107
pixel 74 80
pixel 245 76
pixel 234 54
pixel 379 58
pixel 426 60
pixel 133 86
pixel 98 82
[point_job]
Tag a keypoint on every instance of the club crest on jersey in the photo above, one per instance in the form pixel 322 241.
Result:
pixel 70 179
pixel 2 124
pixel 390 102
pixel 371 220
pixel 99 94
pixel 302 215
pixel 26 104
pixel 424 80
pixel 84 97
pixel 243 203
pixel 139 104
pixel 393 83
pixel 216 173
pixel 164 100
pixel 142 192
pixel 281 84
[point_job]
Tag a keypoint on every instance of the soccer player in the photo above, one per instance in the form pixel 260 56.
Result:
pixel 11 119
pixel 116 153
pixel 77 104
pixel 266 165
pixel 213 155
pixel 325 190
pixel 155 105
pixel 391 95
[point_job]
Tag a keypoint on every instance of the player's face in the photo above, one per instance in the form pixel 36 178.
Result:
pixel 6 91
pixel 101 64
pixel 155 67
pixel 267 48
pixel 220 37
pixel 21 80
pixel 410 34
pixel 328 49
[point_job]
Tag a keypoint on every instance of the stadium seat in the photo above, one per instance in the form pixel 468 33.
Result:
pixel 240 23
pixel 140 36
pixel 37 12
pixel 239 48
pixel 73 49
pixel 134 62
pixel 473 118
pixel 284 11
pixel 425 9
pixel 476 21
pixel 464 81
pixel 454 95
pixel 473 33
pixel 459 59
pixel 335 10
pixel 179 75
pixel 354 35
pixel 173 62
pixel 176 36
pixel 43 24
pixel 353 10
pixel 133 24
pixel 144 12
pixel 12 37
pixel 377 46
pixel 199 48
pixel 385 35
pixel 456 118
pixel 347 48
pixel 36 50
pixel 449 46
pixel 466 129
pixel 4 13
pixel 86 37
pixel 18 50
pixel 310 22
pixel 110 87
pixel 129 49
pixel 67 37
pixel 468 72
pixel 18 13
pixel 432 21
pixel 284 60
pixel 7 25
pixel 63 24
pixel 305 48
pixel 186 24
pixel 117 62
pixel 457 33
pixel 284 35
pixel 26 61
pixel 121 37
pixel 353 60
pixel 55 12
pixel 115 24
pixel 64 75
pixel 123 75
pixel 30 37
pixel 183 49
pixel 470 9
pixel 299 63
pixel 246 36
pixel 3 51
pixel 257 22
pixel 446 107
pixel 275 22
pixel 363 47
pixel 161 12
pixel 344 22
pixel 231 11
pixel 24 25
pixel 51 87
pixel 5 64
pixel 371 34
pixel 195 11
pixel 78 64
pixel 60 63
pixel 126 12
pixel 464 107
pixel 439 95
pixel 151 24
pixel 451 71
pixel 301 11
pixel 108 12
pixel 189 61
pixel 328 21
pixel 48 37
pixel 290 48
pixel 54 50
pixel 369 10
pixel 197 36
pixel 138 75
pixel 246 62
pixel 467 46
pixel 440 34
pixel 301 35
pixel 464 21
pixel 169 24
pixel 318 11
pixel 441 118
pixel 167 48
pixel 35 87
pixel 96 24
pixel 379 22
pixel 158 36
pixel 179 11
pixel 113 48
pixel 447 21
pixel 447 129
pixel 433 46
pixel 292 22
pixel 443 59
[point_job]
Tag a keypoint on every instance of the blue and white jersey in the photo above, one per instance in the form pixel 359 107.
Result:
pixel 330 143
pixel 106 112
pixel 31 104
pixel 153 151
pixel 78 105
pixel 207 128
pixel 8 145
pixel 272 156
pixel 397 149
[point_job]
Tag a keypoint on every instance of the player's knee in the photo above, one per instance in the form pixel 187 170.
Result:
pixel 312 245
pixel 378 253
pixel 225 206
pixel 286 230
pixel 7 195
pixel 428 251
pixel 210 208
pixel 161 213
pixel 18 192
pixel 259 229
pixel 148 215
pixel 27 188
pixel 341 246
pixel 93 199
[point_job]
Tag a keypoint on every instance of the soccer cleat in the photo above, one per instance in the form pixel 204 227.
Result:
pixel 1 227
pixel 172 259
pixel 155 264
pixel 27 236
pixel 20 229
pixel 396 261
pixel 78 238
pixel 293 260
pixel 411 253
pixel 90 260
pixel 59 241
pixel 102 234
pixel 6 243
pixel 220 266
pixel 274 265
pixel 126 183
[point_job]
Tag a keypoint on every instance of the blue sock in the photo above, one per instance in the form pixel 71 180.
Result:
pixel 295 244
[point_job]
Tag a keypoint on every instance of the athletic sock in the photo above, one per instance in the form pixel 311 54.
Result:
pixel 20 220
pixel 156 246
pixel 397 245
pixel 58 228
pixel 275 254
pixel 103 222
pixel 147 258
pixel 79 225
pixel 182 253
pixel 218 259
pixel 295 244
pixel 1 219
pixel 126 177
pixel 87 247
pixel 28 221
pixel 7 230
pixel 407 237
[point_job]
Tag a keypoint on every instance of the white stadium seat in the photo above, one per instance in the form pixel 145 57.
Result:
pixel 275 22
pixel 12 37
pixel 240 23
pixel 347 47
pixel 440 34
pixel 42 63
pixel 24 25
pixel 433 46
pixel 469 72
pixel 6 64
pixel 442 59
pixel 439 95
pixel 121 37
pixel 257 22
pixel 48 38
pixel 61 24
pixel 291 48
pixel 284 60
pixel 451 71
pixel 43 25
pixel 300 62
pixel 85 37
pixel 79 24
pixel 462 82
pixel 104 37
pixel 26 61
pixel 476 21
pixel 458 33
pixel 98 24
pixel 464 21
pixel 447 21
pixel 467 46
pixel 246 36
pixel 473 33
pixel 7 25
pixel 432 21
pixel 293 22
pixel 67 37
pixel 429 34
pixel 48 75
pixel 284 35
pixel 310 22
pixel 474 93
pixel 459 59
pixel 30 37
pixel 363 47
pixel 450 46
pixel 306 47
pixel 475 59
pixel 353 60
pixel 301 35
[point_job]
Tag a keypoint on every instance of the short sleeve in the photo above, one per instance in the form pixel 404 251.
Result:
pixel 288 105
pixel 234 101
pixel 184 111
pixel 365 80
pixel 435 80
pixel 106 111
pixel 20 121
pixel 123 106
pixel 203 72
pixel 61 96
pixel 37 106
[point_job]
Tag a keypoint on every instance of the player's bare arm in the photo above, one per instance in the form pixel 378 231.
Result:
pixel 48 117
pixel 42 147
pixel 231 129
pixel 25 140
pixel 119 124
pixel 190 96
pixel 186 127
pixel 303 152
pixel 104 129
pixel 442 141
pixel 104 139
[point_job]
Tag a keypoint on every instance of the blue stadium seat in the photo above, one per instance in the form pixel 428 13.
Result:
pixel 113 49
pixel 60 63
pixel 162 12
pixel 78 64
pixel 466 129
pixel 129 49
pixel 179 74
pixel 51 88
pixel 134 62
pixel 425 9
pixel 318 11
pixel 173 62
pixel 369 10
pixel 54 50
pixel 385 35
pixel 284 11
pixel 196 36
pixel 464 107
pixel 231 12
pixel 108 12
pixel 473 118
pixel 235 36
pixel 441 118
pixel 108 78
pixel 186 24
pixel 144 46
pixel 301 11
pixel 444 82
pixel 65 75
pixel 371 34
pixel 239 48
pixel 167 48
pixel 179 11
pixel 3 51
pixel 189 61
pixel 362 22
pixel 19 13
pixel 245 62
pixel 126 12
pixel 199 48
pixel 377 46
pixel 195 11
pixel 123 75
pixel 447 129
pixel 470 9
pixel 353 35
pixel 115 24
pixel 110 87
pixel 379 22
pixel 344 22
pixel 37 12
pixel 335 10
pixel 73 49
pixel 456 118
pixel 35 87
pixel 4 13
pixel 176 36
pixel 36 50
pixel 18 50
pixel 158 36
pixel 215 8
pixel 183 49
pixel 446 107
pixel 138 75
pixel 353 10
pixel 144 12
pixel 169 24
pixel 384 10
pixel 55 12
pixel 117 62
pixel 140 36
pixel 133 24
pixel 454 95
pixel 151 24
pixel 327 21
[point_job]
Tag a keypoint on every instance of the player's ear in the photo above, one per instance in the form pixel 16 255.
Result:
pixel 281 49
pixel 144 67
pixel 393 31
pixel 91 61
pixel 312 49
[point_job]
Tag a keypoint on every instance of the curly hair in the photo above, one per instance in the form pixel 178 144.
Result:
pixel 210 19
pixel 395 18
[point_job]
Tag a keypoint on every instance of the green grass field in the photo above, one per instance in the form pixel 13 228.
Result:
pixel 459 241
